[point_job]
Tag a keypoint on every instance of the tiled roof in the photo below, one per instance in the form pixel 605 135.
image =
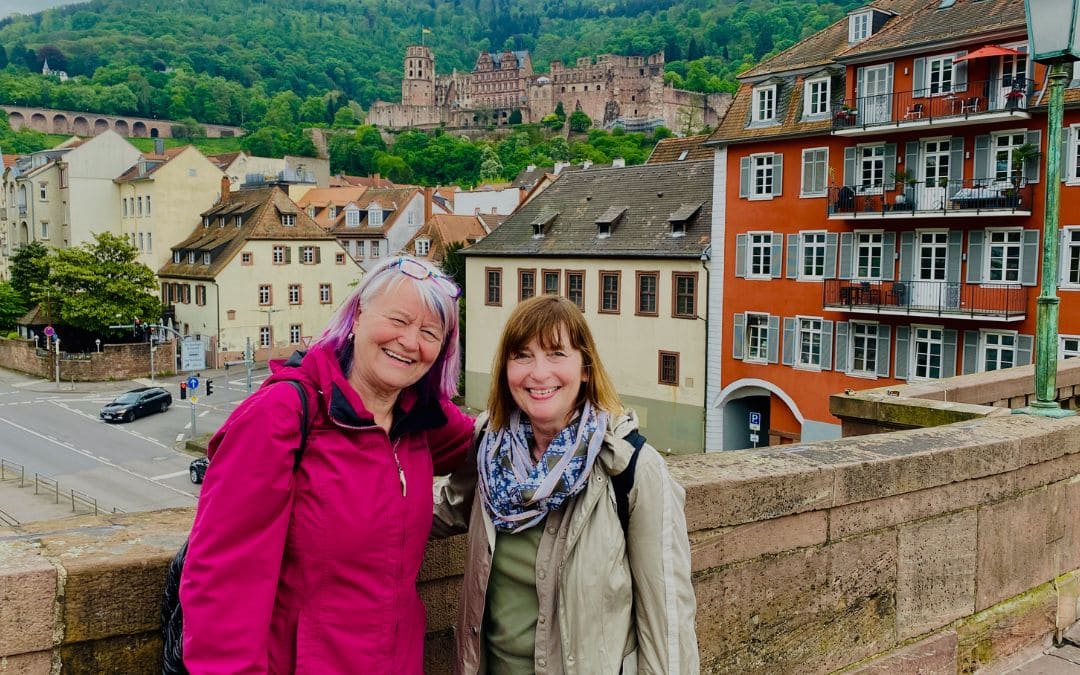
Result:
pixel 735 127
pixel 672 149
pixel 527 177
pixel 928 24
pixel 225 159
pixel 333 196
pixel 652 194
pixel 392 201
pixel 260 211
pixel 152 162
pixel 341 180
pixel 9 160
pixel 444 229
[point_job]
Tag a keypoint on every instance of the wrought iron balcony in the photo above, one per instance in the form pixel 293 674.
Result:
pixel 930 199
pixel 987 302
pixel 976 102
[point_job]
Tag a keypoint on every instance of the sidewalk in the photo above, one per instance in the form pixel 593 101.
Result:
pixel 1063 660
pixel 113 387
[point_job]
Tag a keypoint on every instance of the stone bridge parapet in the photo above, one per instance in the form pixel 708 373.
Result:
pixel 944 549
pixel 73 123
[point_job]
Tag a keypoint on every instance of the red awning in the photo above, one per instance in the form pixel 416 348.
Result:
pixel 988 51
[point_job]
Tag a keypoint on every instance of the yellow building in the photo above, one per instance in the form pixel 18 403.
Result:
pixel 256 268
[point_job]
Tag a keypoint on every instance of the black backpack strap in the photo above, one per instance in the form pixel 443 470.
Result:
pixel 624 481
pixel 299 452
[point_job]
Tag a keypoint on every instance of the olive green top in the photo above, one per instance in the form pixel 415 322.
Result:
pixel 512 604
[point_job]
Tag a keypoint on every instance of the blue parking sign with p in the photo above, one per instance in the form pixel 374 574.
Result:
pixel 755 421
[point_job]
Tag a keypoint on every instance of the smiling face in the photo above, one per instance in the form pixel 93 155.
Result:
pixel 545 382
pixel 396 341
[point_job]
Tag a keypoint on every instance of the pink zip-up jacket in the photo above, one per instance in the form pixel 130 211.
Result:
pixel 314 570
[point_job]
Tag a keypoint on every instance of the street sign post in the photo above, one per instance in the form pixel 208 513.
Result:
pixel 755 426
pixel 192 355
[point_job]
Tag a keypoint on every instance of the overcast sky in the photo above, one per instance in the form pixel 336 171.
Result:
pixel 29 6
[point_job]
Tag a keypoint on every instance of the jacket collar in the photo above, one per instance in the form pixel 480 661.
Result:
pixel 410 413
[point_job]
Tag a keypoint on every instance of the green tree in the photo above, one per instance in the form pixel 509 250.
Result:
pixel 12 306
pixel 29 267
pixel 490 168
pixel 552 121
pixel 515 116
pixel 579 121
pixel 344 117
pixel 560 112
pixel 3 57
pixel 100 280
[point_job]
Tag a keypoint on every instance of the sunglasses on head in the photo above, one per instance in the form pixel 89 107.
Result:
pixel 417 270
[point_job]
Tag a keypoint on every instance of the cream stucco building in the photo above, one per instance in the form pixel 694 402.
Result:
pixel 626 245
pixel 256 267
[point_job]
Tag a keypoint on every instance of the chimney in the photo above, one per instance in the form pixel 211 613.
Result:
pixel 159 146
pixel 375 178
pixel 559 166
pixel 428 192
pixel 530 168
pixel 225 185
pixel 522 194
pixel 586 164
pixel 618 163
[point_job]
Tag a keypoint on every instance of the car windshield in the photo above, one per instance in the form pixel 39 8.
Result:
pixel 130 397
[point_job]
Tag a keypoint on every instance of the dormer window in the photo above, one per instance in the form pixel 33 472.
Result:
pixel 542 221
pixel 606 222
pixel 239 221
pixel 816 97
pixel 191 257
pixel 332 212
pixel 288 219
pixel 206 221
pixel 311 211
pixel 206 258
pixel 858 27
pixel 352 218
pixel 680 220
pixel 423 246
pixel 375 217
pixel 176 256
pixel 682 155
pixel 221 221
pixel 764 104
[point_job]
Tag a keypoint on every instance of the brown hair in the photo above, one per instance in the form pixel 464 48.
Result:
pixel 544 317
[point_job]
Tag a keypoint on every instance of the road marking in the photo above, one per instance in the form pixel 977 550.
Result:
pixel 31 383
pixel 86 453
pixel 179 437
pixel 188 425
pixel 204 413
pixel 174 474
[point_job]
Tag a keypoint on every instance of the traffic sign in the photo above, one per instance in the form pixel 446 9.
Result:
pixel 192 354
pixel 755 421
pixel 193 399
pixel 193 382
pixel 49 331
pixel 754 438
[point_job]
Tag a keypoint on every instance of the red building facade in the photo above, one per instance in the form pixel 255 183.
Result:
pixel 883 212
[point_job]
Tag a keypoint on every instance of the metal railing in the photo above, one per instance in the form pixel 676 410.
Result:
pixel 977 97
pixel 928 198
pixel 46 485
pixel 927 298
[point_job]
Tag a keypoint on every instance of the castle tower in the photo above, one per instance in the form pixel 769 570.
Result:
pixel 418 85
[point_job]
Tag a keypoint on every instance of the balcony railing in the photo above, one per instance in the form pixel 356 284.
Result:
pixel 931 199
pixel 1002 302
pixel 929 106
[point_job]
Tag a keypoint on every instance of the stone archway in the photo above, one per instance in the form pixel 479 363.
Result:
pixel 24 234
pixel 60 124
pixel 81 127
pixel 16 120
pixel 138 130
pixel 154 132
pixel 741 397
pixel 121 127
pixel 39 123
pixel 100 126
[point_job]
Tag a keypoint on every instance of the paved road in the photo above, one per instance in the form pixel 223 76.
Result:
pixel 133 467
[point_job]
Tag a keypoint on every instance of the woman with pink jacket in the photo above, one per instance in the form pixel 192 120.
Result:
pixel 309 565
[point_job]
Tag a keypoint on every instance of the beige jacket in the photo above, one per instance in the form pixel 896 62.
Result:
pixel 587 569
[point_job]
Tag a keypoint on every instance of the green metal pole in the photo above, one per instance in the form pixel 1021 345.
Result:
pixel 1046 310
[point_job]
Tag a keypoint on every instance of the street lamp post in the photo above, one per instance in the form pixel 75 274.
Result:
pixel 1052 38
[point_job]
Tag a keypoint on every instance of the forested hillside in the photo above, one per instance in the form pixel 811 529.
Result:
pixel 221 61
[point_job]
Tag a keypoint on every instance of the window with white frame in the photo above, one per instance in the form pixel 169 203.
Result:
pixel 868 255
pixel 331 212
pixel 1072 172
pixel 288 219
pixel 809 342
pixel 149 241
pixel 998 350
pixel 278 255
pixel 375 247
pixel 142 241
pixel 307 255
pixel 871 168
pixel 1069 347
pixel 423 245
pixel 864 342
pixel 176 256
pixel 1005 146
pixel 264 336
pixel 762 177
pixel 815 170
pixel 191 257
pixel 939 74
pixel 294 334
pixel 147 204
pixel 325 294
pixel 206 257
pixel 1004 256
pixel 858 27
pixel 812 255
pixel 359 247
pixel 1070 257
pixel 757 337
pixel 294 294
pixel 816 97
pixel 764 104
pixel 352 218
pixel 374 217
pixel 927 344
pixel 44 230
pixel 43 191
pixel 759 245
pixel 264 294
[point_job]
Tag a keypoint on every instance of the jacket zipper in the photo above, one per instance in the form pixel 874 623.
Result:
pixel 400 471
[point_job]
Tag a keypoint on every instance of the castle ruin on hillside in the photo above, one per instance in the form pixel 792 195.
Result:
pixel 626 91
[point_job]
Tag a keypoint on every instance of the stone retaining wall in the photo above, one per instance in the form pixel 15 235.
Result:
pixel 114 362
pixel 930 550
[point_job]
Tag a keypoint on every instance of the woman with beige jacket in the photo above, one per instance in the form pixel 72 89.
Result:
pixel 552 583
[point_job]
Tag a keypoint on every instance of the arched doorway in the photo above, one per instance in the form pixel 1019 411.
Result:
pixel 39 123
pixel 153 132
pixel 59 124
pixel 772 406
pixel 100 126
pixel 82 127
pixel 121 127
pixel 138 130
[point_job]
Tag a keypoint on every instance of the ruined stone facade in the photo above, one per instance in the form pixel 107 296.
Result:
pixel 627 91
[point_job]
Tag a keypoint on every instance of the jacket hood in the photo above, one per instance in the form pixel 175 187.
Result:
pixel 616 452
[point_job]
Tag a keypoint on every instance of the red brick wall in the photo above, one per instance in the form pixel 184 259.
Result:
pixel 114 362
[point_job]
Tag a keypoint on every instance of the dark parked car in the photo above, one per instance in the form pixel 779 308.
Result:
pixel 136 403
pixel 197 470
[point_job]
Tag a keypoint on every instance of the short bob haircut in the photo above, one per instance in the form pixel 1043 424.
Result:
pixel 441 381
pixel 544 318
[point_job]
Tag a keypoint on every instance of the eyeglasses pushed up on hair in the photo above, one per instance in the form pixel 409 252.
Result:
pixel 420 271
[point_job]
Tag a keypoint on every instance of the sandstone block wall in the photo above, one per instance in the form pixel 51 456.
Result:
pixel 113 362
pixel 946 549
